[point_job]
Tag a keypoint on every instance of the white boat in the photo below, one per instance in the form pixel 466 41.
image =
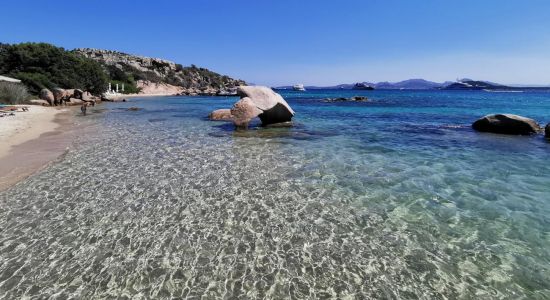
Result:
pixel 299 87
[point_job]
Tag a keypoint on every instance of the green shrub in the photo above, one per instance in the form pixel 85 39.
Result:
pixel 13 93
pixel 41 65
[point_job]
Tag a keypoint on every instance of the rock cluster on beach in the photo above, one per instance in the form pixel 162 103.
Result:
pixel 256 101
pixel 58 96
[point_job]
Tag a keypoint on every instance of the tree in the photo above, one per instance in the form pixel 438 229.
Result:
pixel 41 65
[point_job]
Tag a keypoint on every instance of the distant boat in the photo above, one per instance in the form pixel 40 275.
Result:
pixel 299 87
pixel 362 86
pixel 502 91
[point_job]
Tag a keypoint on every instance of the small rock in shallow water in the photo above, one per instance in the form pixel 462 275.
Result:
pixel 351 99
pixel 280 125
pixel 506 124
pixel 133 108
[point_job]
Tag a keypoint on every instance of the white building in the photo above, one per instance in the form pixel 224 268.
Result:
pixel 8 79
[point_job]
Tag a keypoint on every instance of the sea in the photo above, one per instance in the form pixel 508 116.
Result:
pixel 393 198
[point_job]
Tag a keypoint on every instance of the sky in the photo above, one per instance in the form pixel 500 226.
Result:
pixel 321 42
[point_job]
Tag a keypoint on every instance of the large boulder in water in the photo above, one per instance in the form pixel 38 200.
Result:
pixel 47 95
pixel 262 102
pixel 547 131
pixel 506 124
pixel 221 115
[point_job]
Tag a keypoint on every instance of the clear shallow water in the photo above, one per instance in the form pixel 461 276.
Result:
pixel 397 198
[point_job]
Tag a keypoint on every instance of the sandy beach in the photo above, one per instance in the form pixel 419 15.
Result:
pixel 29 140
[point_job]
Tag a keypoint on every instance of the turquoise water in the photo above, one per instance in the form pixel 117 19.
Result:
pixel 393 199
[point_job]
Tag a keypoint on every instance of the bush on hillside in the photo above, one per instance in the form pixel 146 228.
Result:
pixel 41 65
pixel 13 93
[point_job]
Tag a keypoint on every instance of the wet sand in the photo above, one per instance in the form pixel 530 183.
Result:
pixel 35 144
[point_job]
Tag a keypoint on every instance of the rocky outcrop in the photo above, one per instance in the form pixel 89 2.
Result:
pixel 77 93
pixel 47 95
pixel 62 96
pixel 154 88
pixel 262 102
pixel 191 79
pixel 58 95
pixel 221 115
pixel 506 124
pixel 547 131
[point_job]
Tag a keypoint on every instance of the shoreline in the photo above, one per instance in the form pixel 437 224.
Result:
pixel 31 142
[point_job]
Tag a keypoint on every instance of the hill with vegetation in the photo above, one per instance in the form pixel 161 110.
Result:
pixel 42 65
pixel 130 69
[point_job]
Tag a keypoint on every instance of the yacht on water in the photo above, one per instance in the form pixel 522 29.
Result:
pixel 299 87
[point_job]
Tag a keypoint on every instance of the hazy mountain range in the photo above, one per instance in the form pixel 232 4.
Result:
pixel 422 84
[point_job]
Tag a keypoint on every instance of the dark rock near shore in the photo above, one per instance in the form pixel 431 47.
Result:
pixel 133 108
pixel 506 124
pixel 58 95
pixel 78 94
pixel 47 95
pixel 547 131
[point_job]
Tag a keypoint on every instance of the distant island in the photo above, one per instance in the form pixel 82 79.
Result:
pixel 422 84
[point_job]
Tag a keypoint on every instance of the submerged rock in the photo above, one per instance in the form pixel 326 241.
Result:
pixel 221 115
pixel 280 125
pixel 547 131
pixel 351 99
pixel 506 124
pixel 47 95
pixel 133 108
pixel 262 102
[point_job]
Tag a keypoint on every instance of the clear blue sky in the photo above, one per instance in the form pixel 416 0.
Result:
pixel 312 42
